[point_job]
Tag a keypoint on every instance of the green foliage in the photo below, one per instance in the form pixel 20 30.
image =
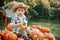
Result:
pixel 55 3
pixel 43 9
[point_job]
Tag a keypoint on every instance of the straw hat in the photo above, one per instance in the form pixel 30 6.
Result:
pixel 19 5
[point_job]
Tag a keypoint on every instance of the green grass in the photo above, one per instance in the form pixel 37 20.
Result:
pixel 2 27
pixel 53 25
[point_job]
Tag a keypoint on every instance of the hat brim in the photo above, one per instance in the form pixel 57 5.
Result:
pixel 15 7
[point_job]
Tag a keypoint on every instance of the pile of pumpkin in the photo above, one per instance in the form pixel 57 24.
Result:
pixel 35 32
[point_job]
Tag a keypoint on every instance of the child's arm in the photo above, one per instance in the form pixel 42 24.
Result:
pixel 16 25
pixel 25 21
pixel 13 24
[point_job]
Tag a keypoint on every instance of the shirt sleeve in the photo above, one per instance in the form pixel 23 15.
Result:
pixel 25 21
pixel 12 21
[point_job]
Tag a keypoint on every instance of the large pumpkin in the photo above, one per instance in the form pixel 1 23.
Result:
pixel 9 27
pixel 4 34
pixel 49 36
pixel 42 29
pixel 0 37
pixel 12 36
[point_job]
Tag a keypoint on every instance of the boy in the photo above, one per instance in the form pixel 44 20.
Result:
pixel 19 19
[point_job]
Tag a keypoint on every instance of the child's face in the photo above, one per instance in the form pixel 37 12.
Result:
pixel 20 11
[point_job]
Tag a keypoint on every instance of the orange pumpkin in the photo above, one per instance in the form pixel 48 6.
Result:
pixel 33 34
pixel 3 32
pixel 6 36
pixel 12 36
pixel 43 29
pixel 34 26
pixel 9 27
pixel 22 27
pixel 40 35
pixel 0 37
pixel 49 36
pixel 0 33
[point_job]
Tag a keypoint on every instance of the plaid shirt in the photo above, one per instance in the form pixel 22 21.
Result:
pixel 16 20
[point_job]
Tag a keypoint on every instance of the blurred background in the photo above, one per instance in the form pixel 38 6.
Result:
pixel 41 12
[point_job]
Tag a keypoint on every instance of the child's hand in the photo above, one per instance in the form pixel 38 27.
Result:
pixel 18 24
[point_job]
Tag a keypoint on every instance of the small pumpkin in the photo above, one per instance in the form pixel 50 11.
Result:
pixel 40 35
pixel 9 27
pixel 34 26
pixel 22 27
pixel 33 34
